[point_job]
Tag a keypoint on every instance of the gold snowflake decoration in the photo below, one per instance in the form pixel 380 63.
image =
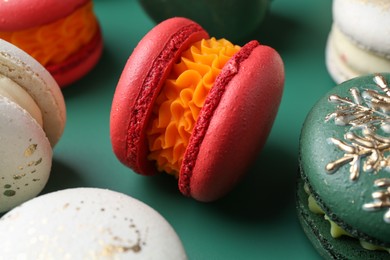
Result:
pixel 366 144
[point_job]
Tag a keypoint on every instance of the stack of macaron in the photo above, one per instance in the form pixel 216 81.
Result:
pixel 88 223
pixel 343 196
pixel 32 120
pixel 195 107
pixel 359 41
pixel 64 36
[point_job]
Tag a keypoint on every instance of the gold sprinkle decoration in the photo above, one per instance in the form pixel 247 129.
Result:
pixel 30 150
pixel 121 245
pixel 381 198
pixel 38 161
pixel 366 143
pixel 18 176
pixel 31 163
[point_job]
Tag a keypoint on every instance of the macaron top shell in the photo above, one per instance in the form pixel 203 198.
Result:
pixel 25 155
pixel 23 14
pixel 363 22
pixel 139 85
pixel 37 81
pixel 88 223
pixel 344 153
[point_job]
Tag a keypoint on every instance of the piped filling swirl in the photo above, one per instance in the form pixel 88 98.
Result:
pixel 177 107
pixel 55 42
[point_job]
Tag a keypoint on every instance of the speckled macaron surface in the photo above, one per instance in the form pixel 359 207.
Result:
pixel 344 156
pixel 25 155
pixel 87 223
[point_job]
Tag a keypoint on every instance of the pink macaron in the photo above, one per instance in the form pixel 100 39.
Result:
pixel 64 36
pixel 195 107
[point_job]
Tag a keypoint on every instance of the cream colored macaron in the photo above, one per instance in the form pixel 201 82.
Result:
pixel 32 120
pixel 87 223
pixel 359 41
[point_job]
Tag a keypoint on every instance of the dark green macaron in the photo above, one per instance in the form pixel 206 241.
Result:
pixel 234 19
pixel 345 163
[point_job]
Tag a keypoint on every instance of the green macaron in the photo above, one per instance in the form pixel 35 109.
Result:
pixel 344 166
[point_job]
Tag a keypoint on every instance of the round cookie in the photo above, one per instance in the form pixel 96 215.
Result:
pixel 172 114
pixel 32 116
pixel 88 223
pixel 231 19
pixel 344 148
pixel 25 155
pixel 65 37
pixel 358 44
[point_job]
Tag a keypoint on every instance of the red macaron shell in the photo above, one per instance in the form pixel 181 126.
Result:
pixel 139 85
pixel 23 14
pixel 239 125
pixel 79 64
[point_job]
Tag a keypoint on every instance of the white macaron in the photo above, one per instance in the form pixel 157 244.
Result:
pixel 32 120
pixel 359 41
pixel 87 223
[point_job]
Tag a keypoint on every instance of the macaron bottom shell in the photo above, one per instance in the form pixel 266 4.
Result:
pixel 25 155
pixel 317 230
pixel 87 223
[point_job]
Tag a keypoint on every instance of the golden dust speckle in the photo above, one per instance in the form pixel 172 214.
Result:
pixel 29 164
pixel 18 176
pixel 110 250
pixel 38 161
pixel 30 150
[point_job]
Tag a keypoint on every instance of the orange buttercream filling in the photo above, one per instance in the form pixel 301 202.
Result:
pixel 184 92
pixel 55 42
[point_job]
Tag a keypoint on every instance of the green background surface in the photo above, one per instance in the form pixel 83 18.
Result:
pixel 255 221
